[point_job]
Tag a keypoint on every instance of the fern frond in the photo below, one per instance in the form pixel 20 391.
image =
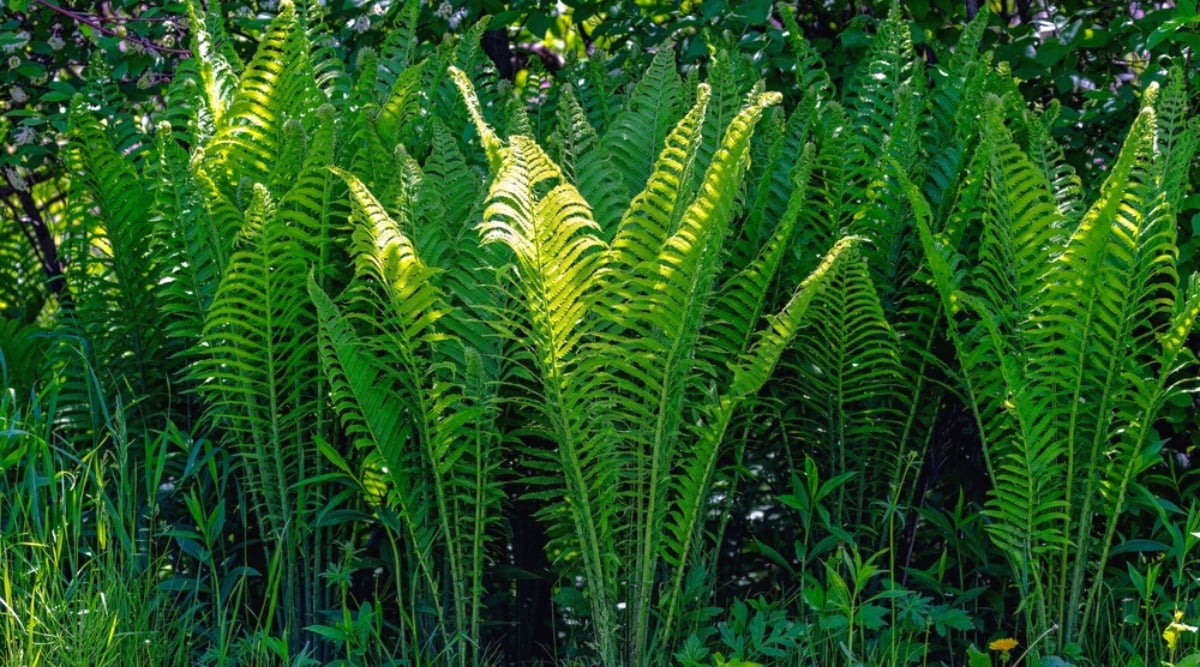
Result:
pixel 279 80
pixel 552 236
pixel 874 96
pixel 258 356
pixel 809 65
pixel 113 272
pixel 830 194
pixel 194 254
pixel 653 214
pixel 725 99
pixel 492 144
pixel 676 301
pixel 363 391
pixel 849 383
pixel 741 299
pixel 547 226
pixel 644 122
pixel 1178 134
pixel 401 109
pixel 587 166
pixel 1060 348
pixel 400 45
pixel 449 199
pixel 691 487
pixel 218 63
pixel 788 153
pixel 449 398
pixel 374 159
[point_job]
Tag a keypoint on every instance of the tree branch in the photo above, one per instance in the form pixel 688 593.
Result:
pixel 96 23
pixel 33 225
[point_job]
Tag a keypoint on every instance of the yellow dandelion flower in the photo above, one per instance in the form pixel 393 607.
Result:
pixel 1004 645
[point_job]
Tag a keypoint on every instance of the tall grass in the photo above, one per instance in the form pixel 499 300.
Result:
pixel 77 574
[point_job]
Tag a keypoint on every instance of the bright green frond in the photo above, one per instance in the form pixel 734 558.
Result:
pixel 740 300
pixel 492 143
pixel 548 226
pixel 400 112
pixel 689 257
pixel 277 84
pixel 653 213
pixel 218 66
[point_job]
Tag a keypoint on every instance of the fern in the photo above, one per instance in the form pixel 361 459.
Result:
pixel 400 111
pixel 809 64
pixel 614 338
pixel 649 112
pixel 447 493
pixel 194 253
pixel 216 59
pixel 589 167
pixel 1062 355
pixel 111 269
pixel 248 137
pixel 848 378
pixel 886 81
pixel 399 49
pixel 547 226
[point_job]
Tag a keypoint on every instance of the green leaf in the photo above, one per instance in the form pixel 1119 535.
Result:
pixel 1190 661
pixel 976 658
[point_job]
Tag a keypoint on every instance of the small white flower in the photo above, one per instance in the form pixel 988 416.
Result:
pixel 146 80
pixel 14 62
pixel 19 95
pixel 24 136
pixel 361 24
pixel 456 19
pixel 56 43
pixel 444 10
pixel 378 8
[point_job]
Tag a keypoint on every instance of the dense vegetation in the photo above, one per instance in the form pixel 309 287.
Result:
pixel 734 349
